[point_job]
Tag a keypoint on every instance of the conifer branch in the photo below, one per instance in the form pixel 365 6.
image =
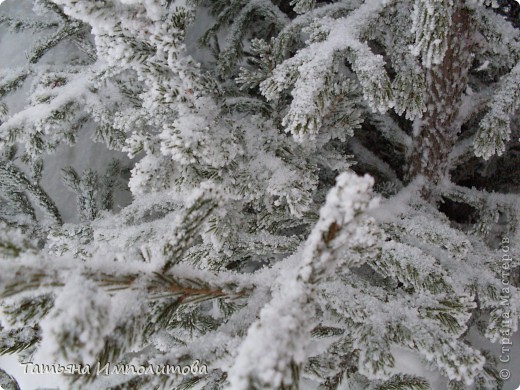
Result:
pixel 12 174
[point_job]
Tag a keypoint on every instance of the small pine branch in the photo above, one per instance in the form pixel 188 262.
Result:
pixel 10 173
pixel 86 188
pixel 404 382
pixel 12 82
pixel 18 340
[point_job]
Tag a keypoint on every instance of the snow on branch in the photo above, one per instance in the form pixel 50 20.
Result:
pixel 274 348
pixel 495 128
pixel 431 25
pixel 302 6
pixel 313 68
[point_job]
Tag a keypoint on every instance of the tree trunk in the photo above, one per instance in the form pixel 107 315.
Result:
pixel 436 133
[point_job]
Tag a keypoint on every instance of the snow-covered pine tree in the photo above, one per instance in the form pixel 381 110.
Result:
pixel 245 246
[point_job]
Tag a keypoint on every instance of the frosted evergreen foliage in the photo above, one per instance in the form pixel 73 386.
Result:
pixel 54 116
pixel 292 194
pixel 431 24
pixel 311 75
pixel 270 358
pixel 301 6
pixel 495 127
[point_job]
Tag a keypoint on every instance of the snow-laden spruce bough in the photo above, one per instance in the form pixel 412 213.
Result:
pixel 254 241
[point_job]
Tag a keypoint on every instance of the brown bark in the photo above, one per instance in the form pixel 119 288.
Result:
pixel 446 82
